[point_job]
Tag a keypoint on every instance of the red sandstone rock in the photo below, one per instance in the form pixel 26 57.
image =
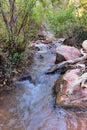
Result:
pixel 78 98
pixel 64 52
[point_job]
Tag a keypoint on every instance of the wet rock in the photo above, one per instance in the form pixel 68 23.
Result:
pixel 79 97
pixel 27 77
pixel 42 35
pixel 84 45
pixel 38 46
pixel 47 41
pixel 59 58
pixel 58 85
pixel 64 52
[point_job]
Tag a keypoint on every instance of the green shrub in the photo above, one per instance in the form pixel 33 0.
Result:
pixel 63 22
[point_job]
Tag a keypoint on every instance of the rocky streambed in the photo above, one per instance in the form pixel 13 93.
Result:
pixel 30 106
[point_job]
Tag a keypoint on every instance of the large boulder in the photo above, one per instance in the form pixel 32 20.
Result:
pixel 79 97
pixel 64 52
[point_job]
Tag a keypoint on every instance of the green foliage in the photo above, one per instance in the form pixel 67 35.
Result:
pixel 62 21
pixel 16 22
pixel 17 27
pixel 16 58
pixel 65 17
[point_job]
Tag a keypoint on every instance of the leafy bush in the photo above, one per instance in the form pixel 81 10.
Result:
pixel 66 18
pixel 63 22
pixel 17 27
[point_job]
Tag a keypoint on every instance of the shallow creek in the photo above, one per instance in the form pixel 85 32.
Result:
pixel 30 106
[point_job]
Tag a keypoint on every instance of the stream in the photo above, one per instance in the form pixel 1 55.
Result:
pixel 30 106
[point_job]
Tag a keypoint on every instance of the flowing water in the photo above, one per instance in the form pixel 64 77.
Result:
pixel 30 106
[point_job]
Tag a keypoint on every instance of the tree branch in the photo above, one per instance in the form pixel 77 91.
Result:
pixel 79 80
pixel 4 19
pixel 66 64
pixel 12 7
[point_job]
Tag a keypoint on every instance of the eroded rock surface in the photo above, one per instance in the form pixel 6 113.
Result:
pixel 64 52
pixel 78 98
